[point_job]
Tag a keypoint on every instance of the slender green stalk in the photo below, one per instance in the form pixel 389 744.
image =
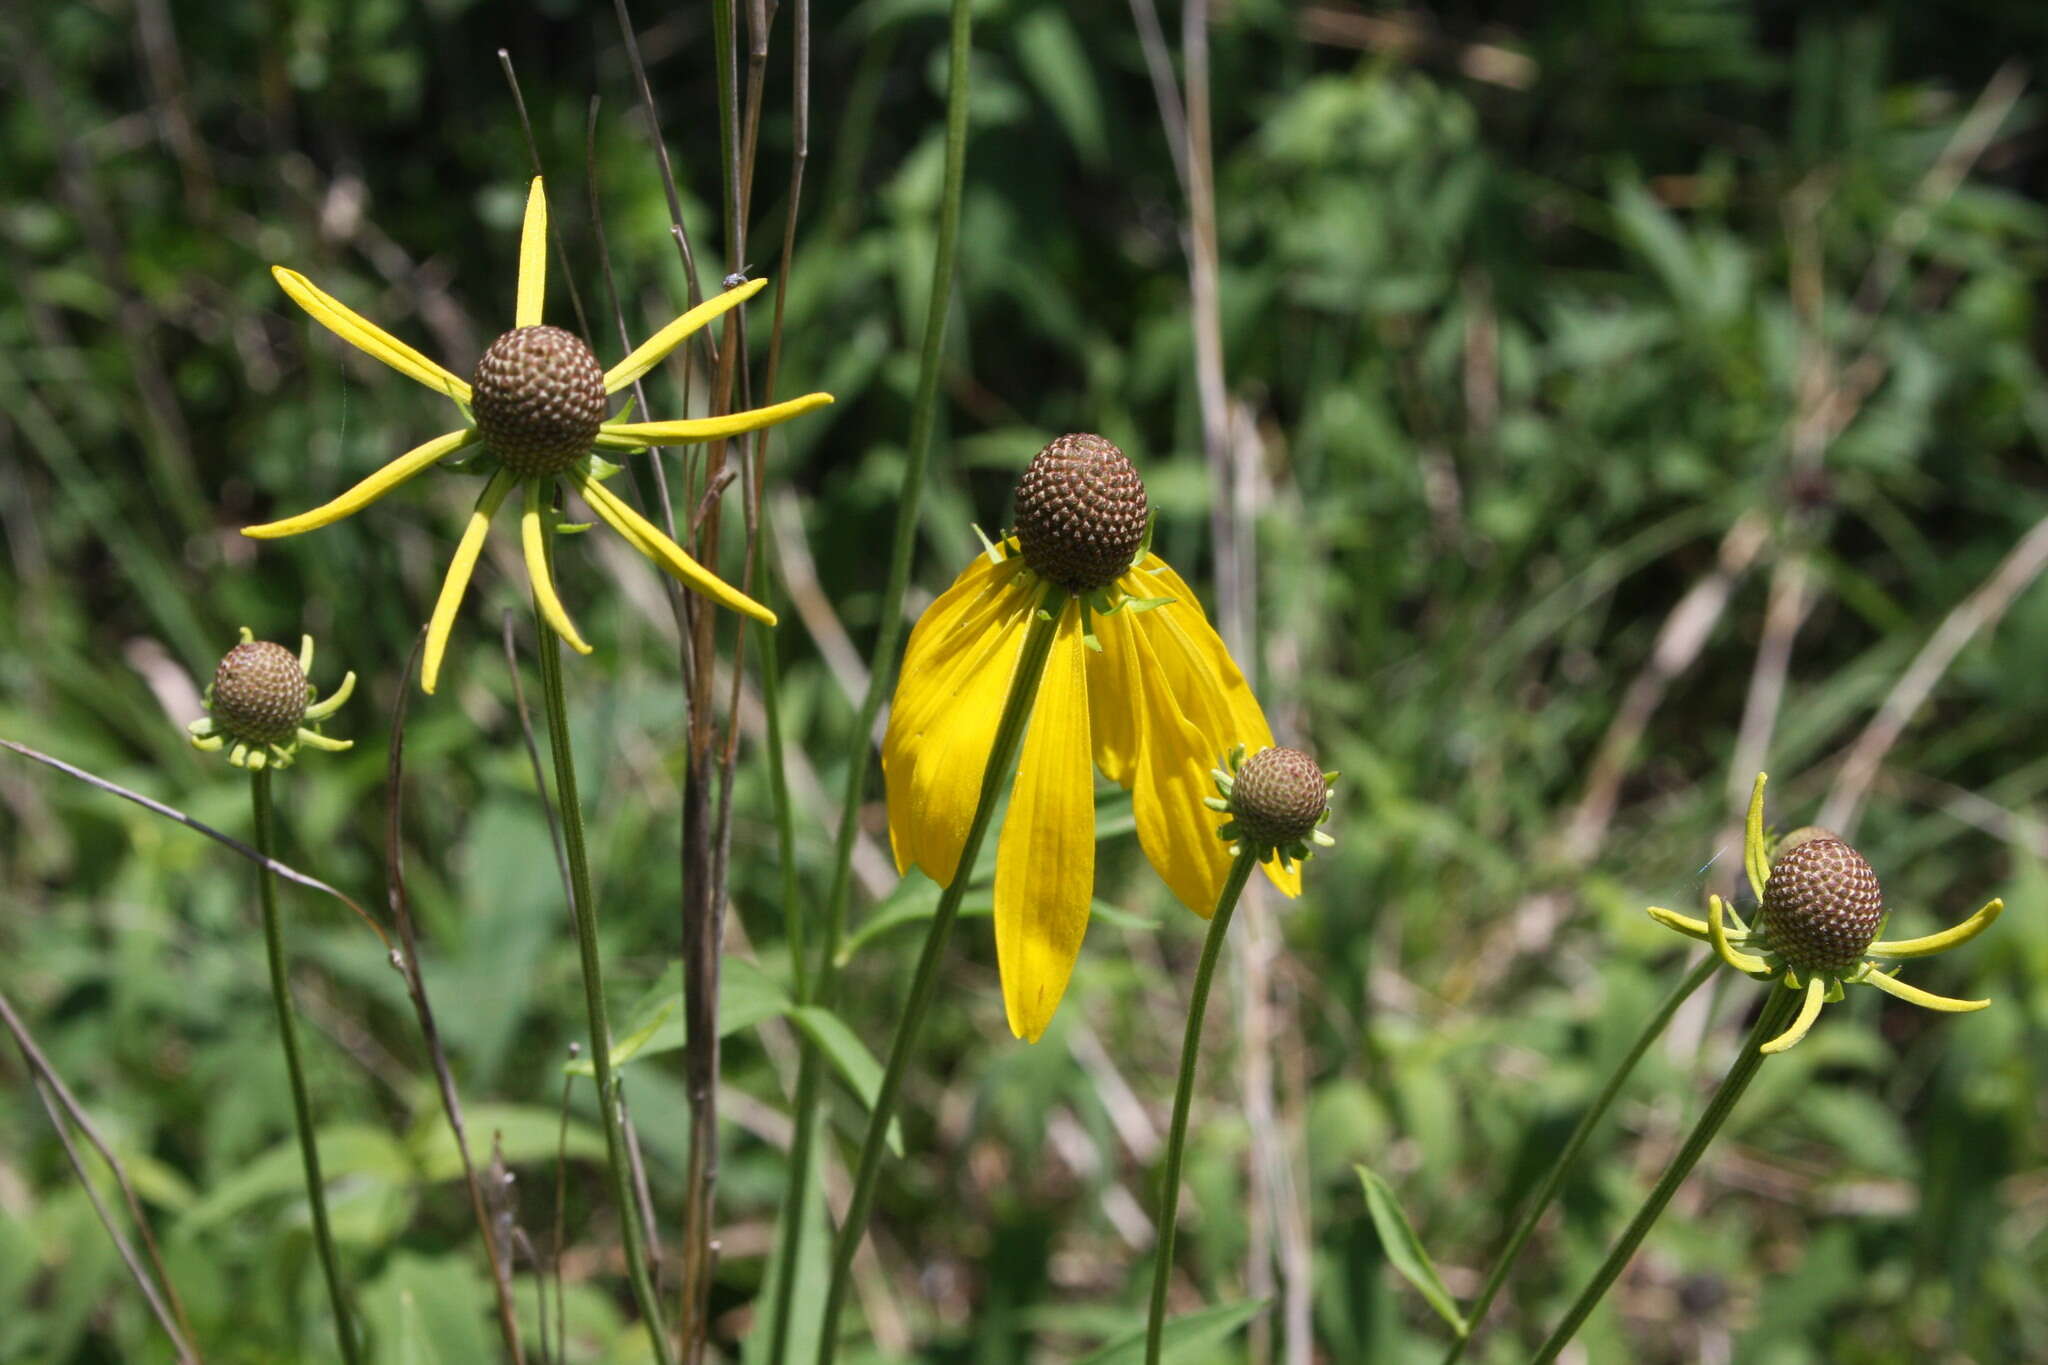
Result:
pixel 288 1038
pixel 1532 1210
pixel 1770 1021
pixel 1184 1095
pixel 1002 765
pixel 584 911
pixel 881 664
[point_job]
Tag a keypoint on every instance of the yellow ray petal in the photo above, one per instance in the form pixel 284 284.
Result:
pixel 1717 934
pixel 369 490
pixel 533 259
pixel 1756 858
pixel 366 336
pixel 533 535
pixel 1045 859
pixel 1913 995
pixel 650 352
pixel 690 429
pixel 1809 1010
pixel 1936 943
pixel 1194 669
pixel 1177 832
pixel 649 539
pixel 459 570
pixel 1684 924
pixel 936 748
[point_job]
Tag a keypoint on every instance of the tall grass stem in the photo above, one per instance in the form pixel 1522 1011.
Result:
pixel 1002 766
pixel 288 1039
pixel 1184 1095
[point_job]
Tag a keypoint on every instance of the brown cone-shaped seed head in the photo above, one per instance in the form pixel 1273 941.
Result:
pixel 1278 797
pixel 1080 512
pixel 259 693
pixel 1822 905
pixel 539 397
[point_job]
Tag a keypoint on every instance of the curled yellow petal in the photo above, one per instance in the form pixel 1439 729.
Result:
pixel 1913 995
pixel 533 536
pixel 648 538
pixel 369 490
pixel 366 336
pixel 1717 934
pixel 1809 1010
pixel 1045 859
pixel 688 430
pixel 1684 924
pixel 457 580
pixel 650 352
pixel 1756 859
pixel 1936 943
pixel 533 258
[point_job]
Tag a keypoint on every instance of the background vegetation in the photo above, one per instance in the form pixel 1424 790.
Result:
pixel 1626 397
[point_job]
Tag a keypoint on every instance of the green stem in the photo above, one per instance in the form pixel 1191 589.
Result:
pixel 1184 1095
pixel 288 1037
pixel 584 911
pixel 1770 1021
pixel 882 660
pixel 1533 1209
pixel 1002 765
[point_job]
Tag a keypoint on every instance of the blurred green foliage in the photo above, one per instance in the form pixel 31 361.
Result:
pixel 1547 324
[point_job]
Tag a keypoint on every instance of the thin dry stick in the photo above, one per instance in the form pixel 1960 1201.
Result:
pixel 416 987
pixel 60 1104
pixel 1978 612
pixel 290 874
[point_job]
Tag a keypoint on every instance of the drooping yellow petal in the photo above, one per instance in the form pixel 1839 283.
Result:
pixel 649 539
pixel 1717 934
pixel 1112 707
pixel 369 490
pixel 1045 859
pixel 690 429
pixel 949 699
pixel 650 352
pixel 1913 995
pixel 459 570
pixel 1205 684
pixel 1809 1010
pixel 1176 830
pixel 533 536
pixel 366 336
pixel 533 259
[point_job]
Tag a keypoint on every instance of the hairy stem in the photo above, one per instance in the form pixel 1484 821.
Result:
pixel 1770 1021
pixel 1184 1095
pixel 584 908
pixel 1002 765
pixel 288 1038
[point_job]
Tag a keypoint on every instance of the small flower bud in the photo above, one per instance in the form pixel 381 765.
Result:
pixel 1080 512
pixel 1278 798
pixel 259 693
pixel 538 399
pixel 1822 905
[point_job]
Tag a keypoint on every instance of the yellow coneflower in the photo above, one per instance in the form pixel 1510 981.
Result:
pixel 537 404
pixel 1137 684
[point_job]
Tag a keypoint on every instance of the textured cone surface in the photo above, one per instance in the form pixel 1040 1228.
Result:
pixel 1822 906
pixel 1278 797
pixel 259 693
pixel 538 400
pixel 1080 512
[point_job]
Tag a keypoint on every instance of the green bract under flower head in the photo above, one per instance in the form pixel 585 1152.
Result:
pixel 1275 799
pixel 262 705
pixel 1819 912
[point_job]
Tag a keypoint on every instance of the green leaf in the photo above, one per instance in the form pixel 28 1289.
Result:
pixel 1182 1337
pixel 525 1133
pixel 850 1057
pixel 358 1150
pixel 1406 1251
pixel 1052 56
pixel 746 996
